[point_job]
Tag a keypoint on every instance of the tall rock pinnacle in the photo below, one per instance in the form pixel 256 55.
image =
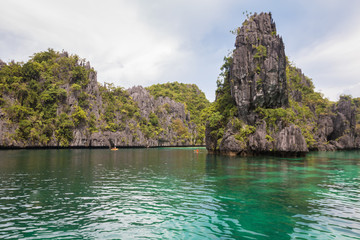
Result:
pixel 258 73
pixel 278 109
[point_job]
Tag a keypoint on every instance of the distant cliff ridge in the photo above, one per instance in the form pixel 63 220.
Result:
pixel 264 104
pixel 54 100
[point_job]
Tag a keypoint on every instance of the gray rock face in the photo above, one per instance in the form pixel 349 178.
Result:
pixel 337 131
pixel 344 121
pixel 165 108
pixel 296 93
pixel 210 139
pixel 258 141
pixel 325 128
pixel 148 104
pixel 229 144
pixel 290 139
pixel 258 77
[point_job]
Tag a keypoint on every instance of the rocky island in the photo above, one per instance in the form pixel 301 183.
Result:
pixel 264 104
pixel 54 100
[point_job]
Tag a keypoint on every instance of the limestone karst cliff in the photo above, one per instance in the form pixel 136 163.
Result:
pixel 264 104
pixel 258 68
pixel 54 100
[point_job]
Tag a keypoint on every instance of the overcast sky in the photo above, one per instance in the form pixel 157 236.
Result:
pixel 143 42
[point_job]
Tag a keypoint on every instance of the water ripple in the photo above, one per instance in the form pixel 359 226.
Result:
pixel 155 194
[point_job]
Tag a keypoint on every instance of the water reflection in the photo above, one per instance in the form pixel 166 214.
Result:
pixel 177 193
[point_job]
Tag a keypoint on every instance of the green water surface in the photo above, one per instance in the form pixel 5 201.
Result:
pixel 177 194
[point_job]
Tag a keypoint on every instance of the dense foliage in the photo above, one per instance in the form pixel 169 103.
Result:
pixel 33 96
pixel 54 95
pixel 47 97
pixel 193 99
pixel 117 108
pixel 224 107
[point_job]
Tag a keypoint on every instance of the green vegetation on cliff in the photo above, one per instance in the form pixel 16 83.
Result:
pixel 117 108
pixel 47 96
pixel 32 93
pixel 223 108
pixel 54 99
pixel 305 107
pixel 191 96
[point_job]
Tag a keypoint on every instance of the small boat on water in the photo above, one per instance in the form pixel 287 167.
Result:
pixel 114 148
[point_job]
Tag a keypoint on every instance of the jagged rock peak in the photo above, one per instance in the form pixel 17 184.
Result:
pixel 261 23
pixel 258 72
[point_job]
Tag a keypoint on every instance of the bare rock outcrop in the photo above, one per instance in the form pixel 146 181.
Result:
pixel 259 65
pixel 338 130
pixel 290 140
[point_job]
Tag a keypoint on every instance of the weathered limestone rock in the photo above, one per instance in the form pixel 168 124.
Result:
pixel 145 101
pixel 258 141
pixel 167 110
pixel 325 127
pixel 290 140
pixel 258 76
pixel 343 135
pixel 148 104
pixel 210 139
pixel 258 79
pixel 230 146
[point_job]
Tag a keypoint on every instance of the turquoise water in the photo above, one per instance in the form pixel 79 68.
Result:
pixel 177 194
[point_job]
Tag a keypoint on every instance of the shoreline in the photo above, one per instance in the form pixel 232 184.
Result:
pixel 254 154
pixel 95 147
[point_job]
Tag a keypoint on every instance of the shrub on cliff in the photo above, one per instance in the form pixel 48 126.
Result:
pixel 37 90
pixel 188 94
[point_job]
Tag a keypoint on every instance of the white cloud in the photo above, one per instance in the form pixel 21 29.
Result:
pixel 333 61
pixel 144 42
pixel 127 42
pixel 112 35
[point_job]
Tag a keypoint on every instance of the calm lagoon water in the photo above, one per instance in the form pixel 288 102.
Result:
pixel 176 193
